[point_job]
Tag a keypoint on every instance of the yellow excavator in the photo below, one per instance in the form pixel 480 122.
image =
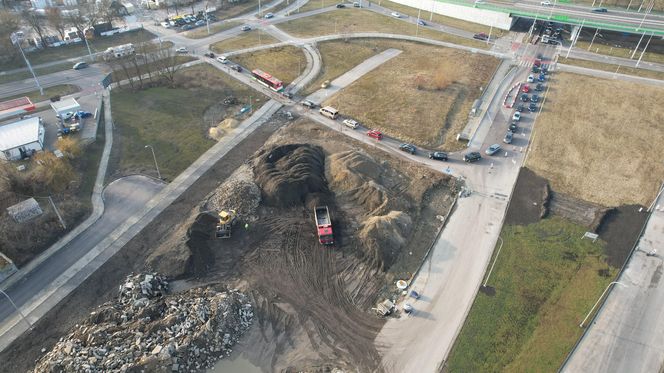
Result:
pixel 225 224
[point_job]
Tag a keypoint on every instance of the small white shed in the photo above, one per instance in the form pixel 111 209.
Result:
pixel 21 139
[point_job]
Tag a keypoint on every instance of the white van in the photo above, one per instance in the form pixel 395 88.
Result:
pixel 222 59
pixel 329 112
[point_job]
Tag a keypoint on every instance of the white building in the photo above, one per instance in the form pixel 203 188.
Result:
pixel 21 139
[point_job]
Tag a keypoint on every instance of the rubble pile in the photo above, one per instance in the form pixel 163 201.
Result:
pixel 148 330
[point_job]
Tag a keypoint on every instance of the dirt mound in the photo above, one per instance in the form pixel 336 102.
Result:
pixel 222 128
pixel 529 199
pixel 238 193
pixel 620 228
pixel 287 174
pixel 383 236
pixel 586 213
pixel 356 176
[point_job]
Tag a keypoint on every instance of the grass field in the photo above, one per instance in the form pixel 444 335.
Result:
pixel 316 4
pixel 613 68
pixel 443 20
pixel 344 21
pixel 624 51
pixel 546 279
pixel 339 57
pixel 236 10
pixel 286 63
pixel 173 120
pixel 79 50
pixel 422 96
pixel 202 32
pixel 605 150
pixel 247 39
pixel 56 90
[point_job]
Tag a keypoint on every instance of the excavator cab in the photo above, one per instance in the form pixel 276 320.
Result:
pixel 226 220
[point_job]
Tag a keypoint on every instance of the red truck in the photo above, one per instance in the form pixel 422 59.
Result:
pixel 324 225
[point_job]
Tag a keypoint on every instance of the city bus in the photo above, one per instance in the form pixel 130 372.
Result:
pixel 268 80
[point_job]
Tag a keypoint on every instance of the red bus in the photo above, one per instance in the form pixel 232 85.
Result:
pixel 267 80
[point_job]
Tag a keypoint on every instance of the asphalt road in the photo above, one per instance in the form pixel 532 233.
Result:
pixel 628 332
pixel 85 78
pixel 123 198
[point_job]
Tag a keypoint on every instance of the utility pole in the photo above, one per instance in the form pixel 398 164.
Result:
pixel 207 19
pixel 57 213
pixel 17 42
pixel 88 46
pixel 155 160
pixel 575 38
pixel 644 51
pixel 593 39
pixel 417 28
pixel 17 309
pixel 637 45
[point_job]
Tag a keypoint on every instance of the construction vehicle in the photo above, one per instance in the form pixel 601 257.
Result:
pixel 225 224
pixel 324 225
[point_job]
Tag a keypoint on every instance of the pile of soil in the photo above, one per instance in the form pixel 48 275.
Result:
pixel 356 176
pixel 585 213
pixel 222 128
pixel 287 174
pixel 620 229
pixel 529 199
pixel 384 236
pixel 238 193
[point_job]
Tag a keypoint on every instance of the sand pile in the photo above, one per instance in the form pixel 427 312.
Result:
pixel 222 128
pixel 238 193
pixel 288 174
pixel 356 176
pixel 384 236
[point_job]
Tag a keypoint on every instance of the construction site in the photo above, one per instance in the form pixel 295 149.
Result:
pixel 314 228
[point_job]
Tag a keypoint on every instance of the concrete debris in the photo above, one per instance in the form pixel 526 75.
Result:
pixel 146 329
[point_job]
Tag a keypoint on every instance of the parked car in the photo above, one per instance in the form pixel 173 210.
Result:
pixel 545 3
pixel 438 156
pixel 246 28
pixel 395 14
pixel 222 59
pixel 66 116
pixel 534 98
pixel 535 69
pixel 541 78
pixel 375 134
pixel 472 157
pixel 357 5
pixel 531 78
pixel 524 97
pixel 200 23
pixel 80 65
pixel 532 108
pixel 481 36
pixel 600 10
pixel 516 116
pixel 508 137
pixel 186 27
pixel 309 104
pixel 513 127
pixel 166 25
pixel 341 6
pixel 525 88
pixel 181 50
pixel 268 15
pixel 408 148
pixel 539 87
pixel 520 108
pixel 351 123
pixel 82 114
pixel 493 149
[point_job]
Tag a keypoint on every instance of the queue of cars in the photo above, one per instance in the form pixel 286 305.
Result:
pixel 189 21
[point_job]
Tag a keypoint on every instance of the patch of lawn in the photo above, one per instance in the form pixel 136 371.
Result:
pixel 613 68
pixel 316 4
pixel 232 10
pixel 202 32
pixel 422 96
pixel 346 21
pixel 339 57
pixel 21 75
pixel 443 20
pixel 598 139
pixel 56 90
pixel 99 44
pixel 546 279
pixel 174 121
pixel 285 63
pixel 245 40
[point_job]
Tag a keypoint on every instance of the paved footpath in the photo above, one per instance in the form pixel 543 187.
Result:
pixel 628 333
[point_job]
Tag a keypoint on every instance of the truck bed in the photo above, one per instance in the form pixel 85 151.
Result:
pixel 322 216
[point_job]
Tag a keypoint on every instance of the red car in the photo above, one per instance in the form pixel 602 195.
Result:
pixel 525 88
pixel 375 134
pixel 537 62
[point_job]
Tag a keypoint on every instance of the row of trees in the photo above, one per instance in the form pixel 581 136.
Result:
pixel 150 66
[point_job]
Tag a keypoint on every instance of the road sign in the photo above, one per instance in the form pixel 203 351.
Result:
pixel 106 81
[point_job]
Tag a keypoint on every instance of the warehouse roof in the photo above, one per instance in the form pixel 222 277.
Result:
pixel 19 133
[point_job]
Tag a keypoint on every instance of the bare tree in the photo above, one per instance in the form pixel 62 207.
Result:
pixel 8 25
pixel 86 16
pixel 56 21
pixel 167 65
pixel 37 23
pixel 108 11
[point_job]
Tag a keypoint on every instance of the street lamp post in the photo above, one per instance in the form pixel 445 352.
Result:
pixel 598 300
pixel 17 309
pixel 155 160
pixel 15 40
pixel 494 262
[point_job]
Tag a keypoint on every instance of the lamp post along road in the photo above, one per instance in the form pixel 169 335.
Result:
pixel 17 309
pixel 155 160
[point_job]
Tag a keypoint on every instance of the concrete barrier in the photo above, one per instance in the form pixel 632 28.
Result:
pixel 501 20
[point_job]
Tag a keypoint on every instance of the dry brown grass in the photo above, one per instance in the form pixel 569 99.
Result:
pixel 623 52
pixel 339 57
pixel 613 68
pixel 422 96
pixel 201 32
pixel 343 21
pixel 245 40
pixel 285 63
pixel 598 140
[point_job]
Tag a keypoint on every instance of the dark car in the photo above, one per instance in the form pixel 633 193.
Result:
pixel 545 70
pixel 534 98
pixel 439 156
pixel 308 104
pixel 539 87
pixel 186 27
pixel 481 36
pixel 520 108
pixel 541 78
pixel 508 137
pixel 532 108
pixel 472 157
pixel 600 10
pixel 210 54
pixel 287 94
pixel 524 97
pixel 237 68
pixel 421 23
pixel 513 127
pixel 535 69
pixel 408 148
pixel 341 6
